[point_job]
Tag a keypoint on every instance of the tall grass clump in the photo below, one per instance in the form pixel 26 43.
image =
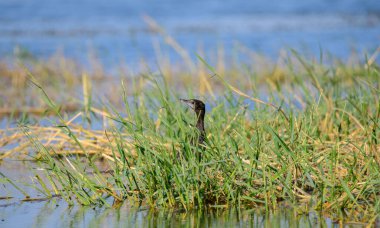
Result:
pixel 309 136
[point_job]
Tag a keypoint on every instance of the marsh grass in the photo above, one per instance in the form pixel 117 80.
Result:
pixel 310 137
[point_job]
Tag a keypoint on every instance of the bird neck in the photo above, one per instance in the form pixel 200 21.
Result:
pixel 200 120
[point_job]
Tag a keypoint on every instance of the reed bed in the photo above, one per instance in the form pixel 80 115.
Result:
pixel 302 132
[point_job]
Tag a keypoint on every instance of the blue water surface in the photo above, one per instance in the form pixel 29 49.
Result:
pixel 116 32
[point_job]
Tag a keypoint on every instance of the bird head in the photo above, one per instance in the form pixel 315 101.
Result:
pixel 196 105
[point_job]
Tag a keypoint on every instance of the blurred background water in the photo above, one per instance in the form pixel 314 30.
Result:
pixel 115 30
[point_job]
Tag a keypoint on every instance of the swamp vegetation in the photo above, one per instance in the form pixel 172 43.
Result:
pixel 299 130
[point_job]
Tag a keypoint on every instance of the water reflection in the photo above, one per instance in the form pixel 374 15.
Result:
pixel 58 213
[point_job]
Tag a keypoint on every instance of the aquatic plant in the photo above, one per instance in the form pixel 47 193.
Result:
pixel 305 133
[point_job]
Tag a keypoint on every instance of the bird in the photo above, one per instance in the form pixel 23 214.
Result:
pixel 200 110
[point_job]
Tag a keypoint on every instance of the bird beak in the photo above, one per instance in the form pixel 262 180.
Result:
pixel 188 102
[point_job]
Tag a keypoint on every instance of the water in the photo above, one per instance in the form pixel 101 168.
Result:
pixel 57 213
pixel 117 32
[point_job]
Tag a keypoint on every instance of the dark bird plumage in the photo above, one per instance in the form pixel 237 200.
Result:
pixel 200 110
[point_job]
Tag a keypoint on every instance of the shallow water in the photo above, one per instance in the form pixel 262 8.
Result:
pixel 56 213
pixel 118 33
